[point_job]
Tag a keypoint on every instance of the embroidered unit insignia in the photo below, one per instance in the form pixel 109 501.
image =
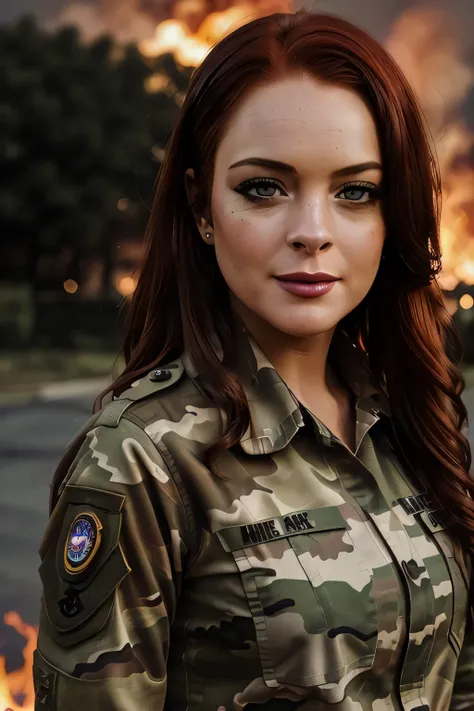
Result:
pixel 82 542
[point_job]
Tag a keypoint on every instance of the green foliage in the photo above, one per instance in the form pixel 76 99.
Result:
pixel 77 130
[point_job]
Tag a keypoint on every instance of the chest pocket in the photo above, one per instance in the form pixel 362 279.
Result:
pixel 311 595
pixel 449 571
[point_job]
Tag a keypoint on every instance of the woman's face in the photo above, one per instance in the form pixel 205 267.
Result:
pixel 296 191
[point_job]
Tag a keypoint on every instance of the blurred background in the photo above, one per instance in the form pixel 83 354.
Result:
pixel 89 92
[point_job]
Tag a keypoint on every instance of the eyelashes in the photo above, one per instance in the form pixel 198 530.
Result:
pixel 255 183
pixel 373 191
pixel 267 185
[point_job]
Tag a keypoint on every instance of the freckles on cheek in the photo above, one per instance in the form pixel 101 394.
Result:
pixel 230 248
pixel 239 239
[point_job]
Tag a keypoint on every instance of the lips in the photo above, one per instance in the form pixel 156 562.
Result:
pixel 307 277
pixel 306 285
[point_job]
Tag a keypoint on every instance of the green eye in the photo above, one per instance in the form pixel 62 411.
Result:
pixel 354 192
pixel 264 189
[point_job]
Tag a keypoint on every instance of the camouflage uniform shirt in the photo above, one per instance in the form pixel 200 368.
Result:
pixel 310 577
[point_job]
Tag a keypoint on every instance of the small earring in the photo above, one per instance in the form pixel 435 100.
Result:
pixel 208 235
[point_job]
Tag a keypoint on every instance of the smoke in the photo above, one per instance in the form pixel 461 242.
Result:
pixel 135 20
pixel 374 16
pixel 426 46
pixel 425 43
pixel 125 20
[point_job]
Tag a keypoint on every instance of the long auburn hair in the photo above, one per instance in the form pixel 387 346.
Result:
pixel 181 298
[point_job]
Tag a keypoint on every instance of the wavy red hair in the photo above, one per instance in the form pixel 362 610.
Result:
pixel 181 297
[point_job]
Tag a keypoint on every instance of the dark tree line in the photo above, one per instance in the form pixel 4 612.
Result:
pixel 81 129
pixel 78 132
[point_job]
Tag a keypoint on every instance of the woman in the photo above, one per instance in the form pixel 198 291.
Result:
pixel 275 512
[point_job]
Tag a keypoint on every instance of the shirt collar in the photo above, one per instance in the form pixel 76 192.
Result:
pixel 275 413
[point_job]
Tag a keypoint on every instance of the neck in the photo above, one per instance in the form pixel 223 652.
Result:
pixel 300 361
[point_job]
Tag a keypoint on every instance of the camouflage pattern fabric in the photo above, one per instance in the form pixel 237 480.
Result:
pixel 305 579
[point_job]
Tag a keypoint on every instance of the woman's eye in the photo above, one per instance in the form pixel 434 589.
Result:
pixel 356 193
pixel 261 189
pixel 258 190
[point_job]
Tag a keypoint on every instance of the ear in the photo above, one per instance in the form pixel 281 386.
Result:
pixel 193 193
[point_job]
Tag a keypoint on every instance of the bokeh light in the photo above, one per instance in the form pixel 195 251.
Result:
pixel 466 301
pixel 126 286
pixel 70 286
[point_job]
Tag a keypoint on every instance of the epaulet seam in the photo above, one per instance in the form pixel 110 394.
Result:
pixel 155 381
pixel 113 412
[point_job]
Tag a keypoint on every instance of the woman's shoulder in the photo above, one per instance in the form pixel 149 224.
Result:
pixel 169 406
pixel 135 446
pixel 163 415
pixel 118 507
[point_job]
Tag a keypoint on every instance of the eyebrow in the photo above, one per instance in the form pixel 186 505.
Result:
pixel 286 168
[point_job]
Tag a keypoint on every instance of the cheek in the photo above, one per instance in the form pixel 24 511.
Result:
pixel 364 249
pixel 240 244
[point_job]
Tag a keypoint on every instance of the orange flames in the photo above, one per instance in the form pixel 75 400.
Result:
pixel 189 48
pixel 429 53
pixel 16 688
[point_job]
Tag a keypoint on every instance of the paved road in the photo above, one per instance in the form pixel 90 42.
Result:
pixel 32 439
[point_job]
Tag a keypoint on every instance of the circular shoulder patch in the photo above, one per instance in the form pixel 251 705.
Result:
pixel 82 542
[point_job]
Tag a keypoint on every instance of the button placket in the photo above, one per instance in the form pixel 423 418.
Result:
pixel 420 597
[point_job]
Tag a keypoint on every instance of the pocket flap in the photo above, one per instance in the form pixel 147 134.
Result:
pixel 327 518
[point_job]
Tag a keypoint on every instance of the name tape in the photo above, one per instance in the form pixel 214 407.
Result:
pixel 328 518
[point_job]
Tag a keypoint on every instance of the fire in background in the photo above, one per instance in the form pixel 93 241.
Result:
pixel 427 51
pixel 421 40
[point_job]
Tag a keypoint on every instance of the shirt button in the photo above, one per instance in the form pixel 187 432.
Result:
pixel 159 376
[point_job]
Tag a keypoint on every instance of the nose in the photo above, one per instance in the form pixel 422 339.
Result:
pixel 311 231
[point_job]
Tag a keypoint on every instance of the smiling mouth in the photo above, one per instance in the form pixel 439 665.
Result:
pixel 307 285
pixel 307 277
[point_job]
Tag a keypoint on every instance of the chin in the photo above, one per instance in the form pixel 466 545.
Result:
pixel 304 327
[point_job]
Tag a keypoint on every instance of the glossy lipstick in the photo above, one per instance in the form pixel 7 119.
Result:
pixel 307 285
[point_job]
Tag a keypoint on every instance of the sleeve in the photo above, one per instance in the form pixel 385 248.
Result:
pixel 112 561
pixel 463 694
